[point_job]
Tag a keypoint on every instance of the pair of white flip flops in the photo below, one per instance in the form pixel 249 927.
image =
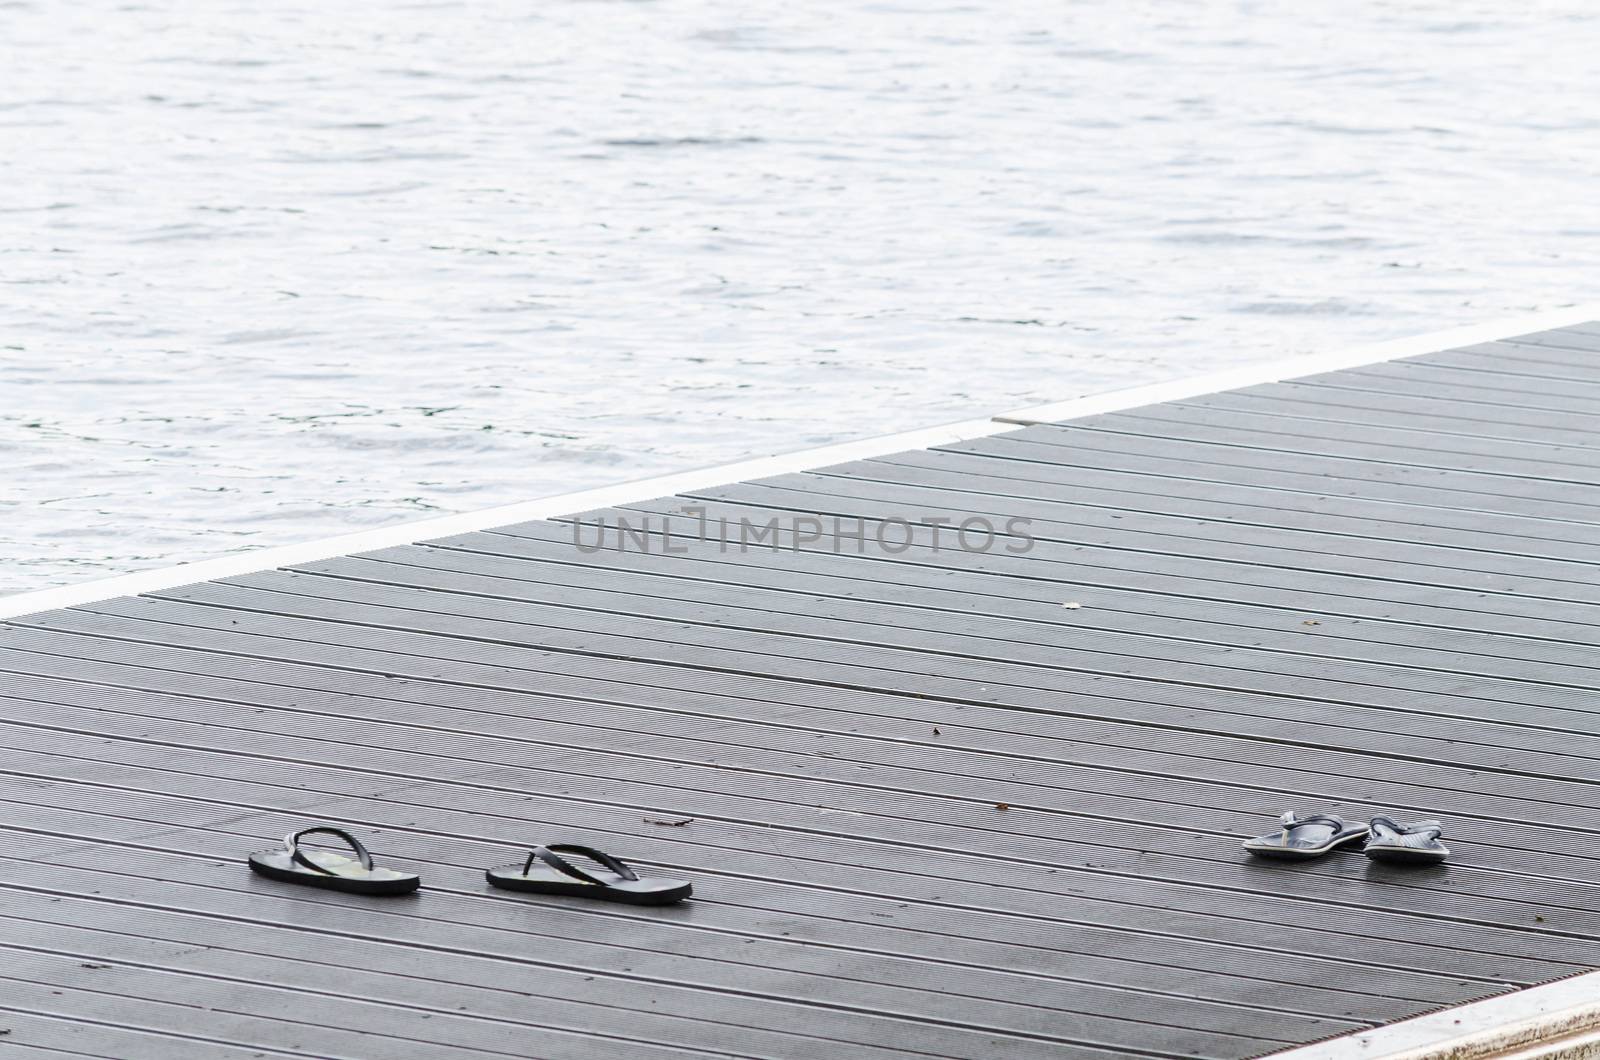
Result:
pixel 1312 836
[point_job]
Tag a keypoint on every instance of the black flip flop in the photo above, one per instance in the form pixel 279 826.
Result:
pixel 1303 838
pixel 1416 843
pixel 615 882
pixel 323 868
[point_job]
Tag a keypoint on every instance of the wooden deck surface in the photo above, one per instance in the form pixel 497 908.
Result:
pixel 929 811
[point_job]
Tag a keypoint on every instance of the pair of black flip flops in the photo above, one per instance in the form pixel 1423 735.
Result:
pixel 612 881
pixel 1316 834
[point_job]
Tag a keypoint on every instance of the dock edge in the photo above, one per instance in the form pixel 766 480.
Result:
pixel 411 532
pixel 1555 1021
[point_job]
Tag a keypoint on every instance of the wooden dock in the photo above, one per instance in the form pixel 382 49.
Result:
pixel 935 803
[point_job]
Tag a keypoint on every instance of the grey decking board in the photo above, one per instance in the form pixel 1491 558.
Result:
pixel 811 1022
pixel 1177 494
pixel 35 1015
pixel 1397 955
pixel 1075 444
pixel 1274 981
pixel 498 973
pixel 1177 484
pixel 805 650
pixel 1274 766
pixel 1136 529
pixel 1056 562
pixel 560 1041
pixel 923 833
pixel 971 578
pixel 1430 431
pixel 1284 431
pixel 372 951
pixel 1330 917
pixel 1068 449
pixel 1369 559
pixel 445 661
pixel 1456 546
pixel 1502 388
pixel 848 1013
pixel 120 870
pixel 15 1023
pixel 1391 799
pixel 472 617
pixel 417 602
pixel 897 593
pixel 370 1028
pixel 1521 356
pixel 1584 336
pixel 1145 610
pixel 493 676
pixel 923 808
pixel 509 975
pixel 521 1013
pixel 1180 815
pixel 868 801
pixel 1294 429
pixel 1582 343
pixel 1491 399
pixel 1377 402
pixel 1180 831
pixel 1192 794
pixel 540 985
pixel 888 717
pixel 195 1026
pixel 1358 563
pixel 1505 359
pixel 481 927
pixel 1420 726
pixel 1548 894
pixel 1474 365
pixel 289 1021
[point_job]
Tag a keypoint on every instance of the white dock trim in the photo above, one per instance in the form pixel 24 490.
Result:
pixel 1511 1025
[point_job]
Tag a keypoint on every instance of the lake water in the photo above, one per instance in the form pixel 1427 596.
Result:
pixel 271 272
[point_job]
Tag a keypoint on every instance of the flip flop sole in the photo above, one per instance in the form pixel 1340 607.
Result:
pixel 1290 853
pixel 1406 855
pixel 510 878
pixel 1283 853
pixel 350 885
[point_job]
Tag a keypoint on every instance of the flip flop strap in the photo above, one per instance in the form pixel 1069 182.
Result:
pixel 1386 823
pixel 1291 822
pixel 548 855
pixel 1416 828
pixel 291 843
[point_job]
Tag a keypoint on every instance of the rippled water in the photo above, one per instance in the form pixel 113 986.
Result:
pixel 278 271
